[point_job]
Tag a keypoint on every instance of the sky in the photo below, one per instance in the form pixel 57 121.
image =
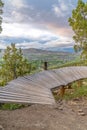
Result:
pixel 41 24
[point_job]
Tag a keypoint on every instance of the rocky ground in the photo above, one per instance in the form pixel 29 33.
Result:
pixel 66 115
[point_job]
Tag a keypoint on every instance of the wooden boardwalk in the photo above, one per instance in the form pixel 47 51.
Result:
pixel 36 88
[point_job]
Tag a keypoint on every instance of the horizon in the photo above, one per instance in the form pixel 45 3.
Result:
pixel 59 50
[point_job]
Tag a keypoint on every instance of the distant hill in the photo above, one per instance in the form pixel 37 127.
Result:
pixel 34 50
pixel 62 49
pixel 38 54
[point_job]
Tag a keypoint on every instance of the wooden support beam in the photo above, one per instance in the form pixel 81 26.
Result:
pixel 69 86
pixel 79 82
pixel 62 91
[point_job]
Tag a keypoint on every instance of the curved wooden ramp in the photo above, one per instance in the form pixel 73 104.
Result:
pixel 37 88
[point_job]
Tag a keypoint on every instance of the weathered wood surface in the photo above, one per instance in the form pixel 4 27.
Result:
pixel 36 88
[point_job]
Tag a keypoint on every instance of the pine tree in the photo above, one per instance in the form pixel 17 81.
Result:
pixel 14 64
pixel 78 22
pixel 1 11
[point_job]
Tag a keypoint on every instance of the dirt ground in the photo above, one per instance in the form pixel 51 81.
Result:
pixel 66 115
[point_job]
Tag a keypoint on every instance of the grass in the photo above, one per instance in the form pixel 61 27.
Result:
pixel 10 106
pixel 75 92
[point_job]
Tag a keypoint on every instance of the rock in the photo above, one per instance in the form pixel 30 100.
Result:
pixel 76 99
pixel 1 128
pixel 72 103
pixel 60 108
pixel 80 110
pixel 72 110
pixel 81 114
pixel 64 101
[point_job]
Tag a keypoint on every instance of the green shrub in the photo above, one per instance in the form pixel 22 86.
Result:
pixel 11 106
pixel 75 92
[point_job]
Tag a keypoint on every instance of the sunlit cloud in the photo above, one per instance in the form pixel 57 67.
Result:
pixel 24 30
pixel 17 3
pixel 36 23
pixel 63 41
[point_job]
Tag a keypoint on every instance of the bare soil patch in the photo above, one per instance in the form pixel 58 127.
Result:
pixel 66 115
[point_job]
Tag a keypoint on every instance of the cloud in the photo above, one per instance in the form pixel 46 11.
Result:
pixel 63 41
pixel 16 3
pixel 3 45
pixel 63 9
pixel 37 23
pixel 54 43
pixel 17 11
pixel 27 36
pixel 24 31
pixel 32 38
pixel 39 14
pixel 57 11
pixel 63 6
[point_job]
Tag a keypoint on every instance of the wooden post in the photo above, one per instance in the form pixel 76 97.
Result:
pixel 62 91
pixel 45 65
pixel 79 83
pixel 69 86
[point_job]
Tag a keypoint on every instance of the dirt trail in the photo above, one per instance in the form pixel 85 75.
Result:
pixel 70 115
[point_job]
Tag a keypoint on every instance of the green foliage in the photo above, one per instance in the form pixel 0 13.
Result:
pixel 75 92
pixel 78 22
pixel 1 11
pixel 76 62
pixel 14 64
pixel 11 106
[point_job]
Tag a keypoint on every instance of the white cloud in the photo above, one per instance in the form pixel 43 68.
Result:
pixel 17 3
pixel 17 16
pixel 63 8
pixel 57 11
pixel 62 42
pixel 26 22
pixel 25 45
pixel 2 45
pixel 16 30
pixel 24 31
pixel 17 11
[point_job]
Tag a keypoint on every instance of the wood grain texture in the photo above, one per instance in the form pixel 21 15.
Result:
pixel 36 88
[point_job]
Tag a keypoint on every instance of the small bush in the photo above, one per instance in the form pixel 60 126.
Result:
pixel 11 106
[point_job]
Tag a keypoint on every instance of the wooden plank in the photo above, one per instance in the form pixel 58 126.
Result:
pixel 24 102
pixel 29 93
pixel 25 90
pixel 26 94
pixel 17 100
pixel 65 75
pixel 33 97
pixel 27 85
pixel 30 98
pixel 42 80
pixel 31 82
pixel 73 76
pixel 62 76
